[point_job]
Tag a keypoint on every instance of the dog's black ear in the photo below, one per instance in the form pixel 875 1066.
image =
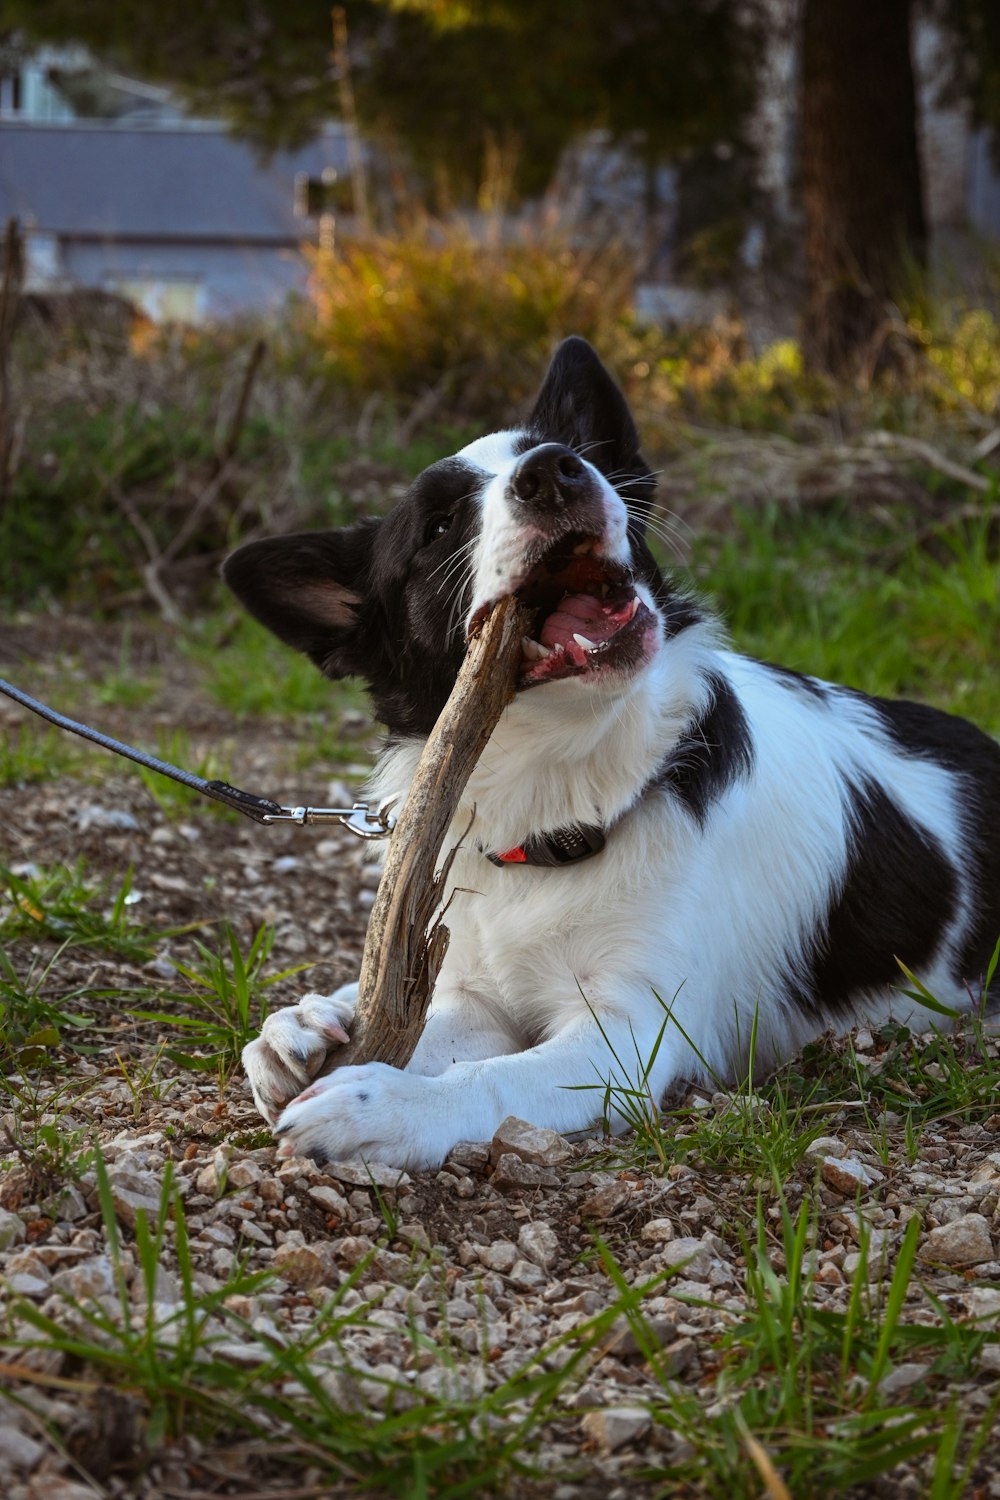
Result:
pixel 580 405
pixel 308 590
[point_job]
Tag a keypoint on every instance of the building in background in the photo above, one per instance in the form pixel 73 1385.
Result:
pixel 174 213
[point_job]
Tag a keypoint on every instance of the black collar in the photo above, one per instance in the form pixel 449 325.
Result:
pixel 564 846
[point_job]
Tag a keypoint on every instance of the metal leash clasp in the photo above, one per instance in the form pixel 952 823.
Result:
pixel 361 819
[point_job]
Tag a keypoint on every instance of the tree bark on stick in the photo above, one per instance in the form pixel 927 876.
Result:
pixel 405 945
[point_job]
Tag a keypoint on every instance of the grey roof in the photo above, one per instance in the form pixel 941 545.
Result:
pixel 179 182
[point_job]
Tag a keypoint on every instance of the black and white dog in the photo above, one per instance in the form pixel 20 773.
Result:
pixel 656 821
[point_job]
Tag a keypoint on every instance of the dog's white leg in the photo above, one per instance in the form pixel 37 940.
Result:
pixel 462 1026
pixel 293 1045
pixel 413 1120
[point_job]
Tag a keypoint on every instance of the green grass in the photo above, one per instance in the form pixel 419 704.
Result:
pixel 30 754
pixel 31 1019
pixel 762 1128
pixel 44 1136
pixel 57 910
pixel 67 905
pixel 246 671
pixel 833 595
pixel 173 798
pixel 798 1381
pixel 129 683
pixel 227 991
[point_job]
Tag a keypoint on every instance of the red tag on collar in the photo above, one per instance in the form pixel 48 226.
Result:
pixel 513 857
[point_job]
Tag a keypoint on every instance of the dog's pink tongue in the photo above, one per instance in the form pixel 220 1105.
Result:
pixel 578 614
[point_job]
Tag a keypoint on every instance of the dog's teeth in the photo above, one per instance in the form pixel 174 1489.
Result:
pixel 631 611
pixel 581 640
pixel 534 650
pixel 582 547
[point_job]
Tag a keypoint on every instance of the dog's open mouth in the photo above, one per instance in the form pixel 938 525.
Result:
pixel 589 620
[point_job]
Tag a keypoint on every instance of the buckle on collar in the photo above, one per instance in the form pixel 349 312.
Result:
pixel 564 846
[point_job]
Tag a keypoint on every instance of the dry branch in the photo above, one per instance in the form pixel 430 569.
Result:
pixel 934 459
pixel 405 946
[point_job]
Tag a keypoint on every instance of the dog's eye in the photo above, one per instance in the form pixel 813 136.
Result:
pixel 438 526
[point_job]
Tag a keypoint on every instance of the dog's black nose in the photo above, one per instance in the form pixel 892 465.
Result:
pixel 550 476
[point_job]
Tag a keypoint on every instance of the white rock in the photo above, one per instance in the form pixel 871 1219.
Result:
pixel 243 1174
pixel 246 1355
pixel 657 1231
pixel 93 1278
pixel 532 1143
pixel 500 1256
pixel 112 819
pixel 963 1242
pixel 207 1181
pixel 68 1203
pixel 132 1191
pixel 825 1145
pixel 983 1303
pixel 690 1255
pixel 539 1243
pixel 299 1266
pixel 329 1199
pixel 18 1449
pixel 525 1274
pixel 900 1380
pixel 63 1489
pixel 12 1229
pixel 988 1170
pixel 845 1175
pixel 364 1174
pixel 616 1425
pixel 451 1382
pixel 413 1234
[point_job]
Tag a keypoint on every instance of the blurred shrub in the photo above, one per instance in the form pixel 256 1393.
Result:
pixel 711 374
pixel 434 309
pixel 124 488
pixel 968 359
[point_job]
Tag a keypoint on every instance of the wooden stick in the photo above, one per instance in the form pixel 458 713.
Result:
pixel 405 946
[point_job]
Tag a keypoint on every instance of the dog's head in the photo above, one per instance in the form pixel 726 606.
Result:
pixel 555 511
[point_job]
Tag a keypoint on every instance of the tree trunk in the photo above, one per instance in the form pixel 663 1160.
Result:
pixel 861 190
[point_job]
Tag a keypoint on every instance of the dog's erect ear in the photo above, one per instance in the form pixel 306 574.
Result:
pixel 307 589
pixel 580 405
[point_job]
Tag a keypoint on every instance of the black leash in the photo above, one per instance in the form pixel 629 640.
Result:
pixel 565 846
pixel 361 819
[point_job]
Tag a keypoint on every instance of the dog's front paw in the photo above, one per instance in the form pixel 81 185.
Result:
pixel 372 1111
pixel 293 1045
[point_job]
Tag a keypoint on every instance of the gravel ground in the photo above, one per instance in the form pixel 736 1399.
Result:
pixel 494 1252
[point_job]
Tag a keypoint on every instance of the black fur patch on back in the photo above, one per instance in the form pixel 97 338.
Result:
pixel 974 757
pixel 898 895
pixel 711 755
